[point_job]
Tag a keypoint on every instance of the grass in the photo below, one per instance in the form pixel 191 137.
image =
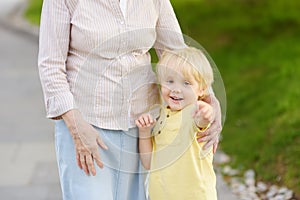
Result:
pixel 255 45
pixel 33 11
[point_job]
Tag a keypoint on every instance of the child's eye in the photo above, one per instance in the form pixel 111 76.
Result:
pixel 170 81
pixel 187 83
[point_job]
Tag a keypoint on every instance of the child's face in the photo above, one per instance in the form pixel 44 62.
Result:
pixel 178 91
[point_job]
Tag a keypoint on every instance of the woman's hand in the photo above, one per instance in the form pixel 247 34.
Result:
pixel 86 140
pixel 211 135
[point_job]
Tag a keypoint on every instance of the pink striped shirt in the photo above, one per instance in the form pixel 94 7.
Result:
pixel 94 58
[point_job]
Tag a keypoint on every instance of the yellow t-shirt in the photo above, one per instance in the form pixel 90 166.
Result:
pixel 180 169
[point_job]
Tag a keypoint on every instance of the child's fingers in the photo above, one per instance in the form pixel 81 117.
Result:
pixel 138 123
pixel 151 120
pixel 196 112
pixel 208 115
pixel 148 120
pixel 201 104
pixel 204 110
pixel 145 121
pixel 142 121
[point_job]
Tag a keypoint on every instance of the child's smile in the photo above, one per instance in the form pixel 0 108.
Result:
pixel 176 99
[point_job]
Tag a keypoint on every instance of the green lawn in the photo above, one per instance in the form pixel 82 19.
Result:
pixel 255 45
pixel 33 11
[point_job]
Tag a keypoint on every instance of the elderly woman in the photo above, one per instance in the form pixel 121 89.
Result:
pixel 95 72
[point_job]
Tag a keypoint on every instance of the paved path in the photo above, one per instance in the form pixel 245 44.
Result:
pixel 6 6
pixel 28 168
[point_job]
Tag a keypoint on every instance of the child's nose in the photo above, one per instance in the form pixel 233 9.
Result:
pixel 176 90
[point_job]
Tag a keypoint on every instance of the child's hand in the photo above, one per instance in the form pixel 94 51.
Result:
pixel 204 114
pixel 145 122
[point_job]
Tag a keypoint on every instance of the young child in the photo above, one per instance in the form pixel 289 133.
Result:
pixel 179 168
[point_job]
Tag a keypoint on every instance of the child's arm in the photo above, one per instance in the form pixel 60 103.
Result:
pixel 145 123
pixel 211 135
pixel 204 115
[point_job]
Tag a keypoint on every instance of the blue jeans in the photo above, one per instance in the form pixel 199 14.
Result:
pixel 121 177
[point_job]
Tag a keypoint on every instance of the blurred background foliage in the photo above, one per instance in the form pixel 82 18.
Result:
pixel 256 46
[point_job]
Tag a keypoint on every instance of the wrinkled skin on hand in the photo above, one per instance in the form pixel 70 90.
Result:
pixel 86 140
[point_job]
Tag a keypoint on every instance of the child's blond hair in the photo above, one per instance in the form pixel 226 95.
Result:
pixel 190 62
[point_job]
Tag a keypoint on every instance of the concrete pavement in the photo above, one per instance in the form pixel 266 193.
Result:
pixel 28 167
pixel 6 6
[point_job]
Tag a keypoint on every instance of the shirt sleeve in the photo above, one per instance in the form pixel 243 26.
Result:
pixel 169 35
pixel 53 51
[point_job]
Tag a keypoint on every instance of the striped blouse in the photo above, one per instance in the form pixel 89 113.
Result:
pixel 94 58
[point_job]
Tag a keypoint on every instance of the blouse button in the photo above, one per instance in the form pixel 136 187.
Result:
pixel 168 115
pixel 158 132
